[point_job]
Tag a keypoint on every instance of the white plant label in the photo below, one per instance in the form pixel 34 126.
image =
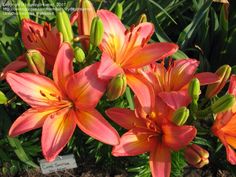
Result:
pixel 59 164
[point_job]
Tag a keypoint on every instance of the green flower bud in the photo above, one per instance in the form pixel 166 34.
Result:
pixel 180 116
pixel 142 19
pixel 79 54
pixel 223 104
pixel 119 10
pixel 96 32
pixel 64 26
pixel 194 89
pixel 3 98
pixel 224 73
pixel 22 10
pixel 116 87
pixel 36 61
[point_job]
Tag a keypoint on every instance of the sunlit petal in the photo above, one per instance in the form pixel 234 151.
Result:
pixel 94 124
pixel 177 137
pixel 57 131
pixel 84 88
pixel 29 120
pixel 160 161
pixel 125 118
pixel 133 143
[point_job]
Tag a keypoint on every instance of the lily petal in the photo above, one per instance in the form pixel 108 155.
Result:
pixel 114 37
pixel 85 88
pixel 29 120
pixel 42 38
pixel 125 118
pixel 63 67
pixel 16 65
pixel 160 161
pixel 94 124
pixel 144 32
pixel 175 99
pixel 149 54
pixel 36 90
pixel 182 73
pixel 108 68
pixel 142 89
pixel 133 143
pixel 207 78
pixel 177 137
pixel 57 131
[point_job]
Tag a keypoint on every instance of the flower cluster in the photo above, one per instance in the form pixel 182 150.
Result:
pixel 107 57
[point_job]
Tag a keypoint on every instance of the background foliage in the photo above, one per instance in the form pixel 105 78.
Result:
pixel 203 29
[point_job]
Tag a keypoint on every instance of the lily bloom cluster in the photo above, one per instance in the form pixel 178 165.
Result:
pixel 163 89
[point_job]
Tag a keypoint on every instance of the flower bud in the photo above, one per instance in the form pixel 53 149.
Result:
pixel 36 61
pixel 116 87
pixel 84 17
pixel 196 156
pixel 96 32
pixel 22 10
pixel 180 116
pixel 79 54
pixel 3 98
pixel 142 19
pixel 194 89
pixel 224 73
pixel 64 26
pixel 223 104
pixel 119 10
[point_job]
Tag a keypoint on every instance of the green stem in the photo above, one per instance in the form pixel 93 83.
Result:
pixel 129 98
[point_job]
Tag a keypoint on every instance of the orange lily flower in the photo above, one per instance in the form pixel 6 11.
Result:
pixel 57 106
pixel 124 51
pixel 150 133
pixel 39 37
pixel 224 126
pixel 171 84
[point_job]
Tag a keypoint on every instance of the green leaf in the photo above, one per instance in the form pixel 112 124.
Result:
pixel 3 98
pixel 191 29
pixel 21 154
pixel 179 55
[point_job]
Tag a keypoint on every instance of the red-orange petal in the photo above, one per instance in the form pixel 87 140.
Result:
pixel 175 99
pixel 114 37
pixel 125 118
pixel 149 54
pixel 29 120
pixel 142 89
pixel 160 161
pixel 57 131
pixel 16 65
pixel 108 68
pixel 36 90
pixel 84 88
pixel 206 78
pixel 63 67
pixel 133 143
pixel 182 73
pixel 95 125
pixel 177 137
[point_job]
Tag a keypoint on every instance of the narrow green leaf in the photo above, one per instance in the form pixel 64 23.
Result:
pixel 162 9
pixel 179 55
pixel 21 154
pixel 161 35
pixel 191 29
